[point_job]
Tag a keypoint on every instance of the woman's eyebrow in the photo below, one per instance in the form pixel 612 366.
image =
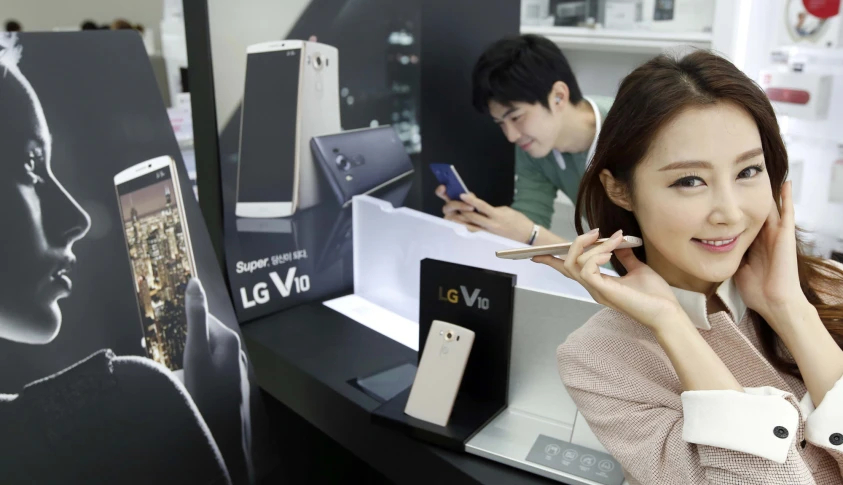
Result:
pixel 687 164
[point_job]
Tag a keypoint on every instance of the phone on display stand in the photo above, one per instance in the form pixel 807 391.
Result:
pixel 561 249
pixel 157 240
pixel 448 176
pixel 440 373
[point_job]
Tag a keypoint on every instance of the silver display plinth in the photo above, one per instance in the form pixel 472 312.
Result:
pixel 541 415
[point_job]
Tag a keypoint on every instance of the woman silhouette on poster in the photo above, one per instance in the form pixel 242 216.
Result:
pixel 107 418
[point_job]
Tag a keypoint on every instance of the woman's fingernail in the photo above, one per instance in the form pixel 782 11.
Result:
pixel 618 233
pixel 593 231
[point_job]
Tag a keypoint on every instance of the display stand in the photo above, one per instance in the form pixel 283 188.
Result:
pixel 390 242
pixel 478 300
pixel 541 428
pixel 388 246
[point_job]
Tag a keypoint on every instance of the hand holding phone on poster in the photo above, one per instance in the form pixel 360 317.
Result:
pixel 215 370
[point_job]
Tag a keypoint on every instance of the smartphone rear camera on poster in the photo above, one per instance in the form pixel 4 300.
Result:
pixel 362 161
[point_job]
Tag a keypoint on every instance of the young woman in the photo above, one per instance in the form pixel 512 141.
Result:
pixel 106 418
pixel 718 359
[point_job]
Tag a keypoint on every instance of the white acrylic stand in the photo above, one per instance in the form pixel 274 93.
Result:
pixel 389 244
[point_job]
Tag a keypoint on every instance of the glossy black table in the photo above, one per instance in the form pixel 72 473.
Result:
pixel 305 357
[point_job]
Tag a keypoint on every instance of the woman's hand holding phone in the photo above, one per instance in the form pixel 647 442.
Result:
pixel 641 294
pixel 216 376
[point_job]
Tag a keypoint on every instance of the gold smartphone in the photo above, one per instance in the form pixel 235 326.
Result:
pixel 561 249
pixel 438 379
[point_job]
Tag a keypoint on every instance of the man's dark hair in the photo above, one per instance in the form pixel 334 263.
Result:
pixel 522 68
pixel 13 26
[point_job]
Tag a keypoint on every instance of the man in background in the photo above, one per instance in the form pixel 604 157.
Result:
pixel 13 26
pixel 528 88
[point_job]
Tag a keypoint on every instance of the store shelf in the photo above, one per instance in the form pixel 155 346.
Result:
pixel 605 40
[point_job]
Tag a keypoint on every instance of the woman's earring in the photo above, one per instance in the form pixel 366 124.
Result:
pixel 558 100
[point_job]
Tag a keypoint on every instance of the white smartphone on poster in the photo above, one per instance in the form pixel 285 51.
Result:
pixel 319 115
pixel 439 375
pixel 268 163
pixel 160 254
pixel 561 249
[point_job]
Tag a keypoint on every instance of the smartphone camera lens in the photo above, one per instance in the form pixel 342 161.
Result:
pixel 317 61
pixel 449 336
pixel 343 163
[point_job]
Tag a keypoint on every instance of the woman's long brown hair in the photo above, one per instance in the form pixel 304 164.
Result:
pixel 649 98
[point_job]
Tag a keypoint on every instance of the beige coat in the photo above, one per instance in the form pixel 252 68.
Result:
pixel 626 388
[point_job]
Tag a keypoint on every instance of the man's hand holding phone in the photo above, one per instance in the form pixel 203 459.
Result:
pixel 477 215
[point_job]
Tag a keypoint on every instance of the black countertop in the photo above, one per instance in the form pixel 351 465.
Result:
pixel 305 358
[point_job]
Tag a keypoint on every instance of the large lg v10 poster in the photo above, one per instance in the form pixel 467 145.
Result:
pixel 316 102
pixel 120 355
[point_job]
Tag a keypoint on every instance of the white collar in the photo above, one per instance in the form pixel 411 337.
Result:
pixel 694 303
pixel 598 123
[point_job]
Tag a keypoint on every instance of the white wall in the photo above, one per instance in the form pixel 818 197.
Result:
pixel 600 73
pixel 44 15
pixel 235 26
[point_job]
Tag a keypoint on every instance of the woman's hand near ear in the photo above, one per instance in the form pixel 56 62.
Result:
pixel 768 281
pixel 645 296
pixel 641 293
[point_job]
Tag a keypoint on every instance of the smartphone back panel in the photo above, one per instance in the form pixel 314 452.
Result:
pixel 443 361
pixel 361 161
pixel 447 175
pixel 319 114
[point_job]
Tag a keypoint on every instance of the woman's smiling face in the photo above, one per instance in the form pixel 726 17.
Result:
pixel 701 195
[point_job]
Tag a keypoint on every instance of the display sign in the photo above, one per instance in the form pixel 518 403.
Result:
pixel 478 300
pixel 304 126
pixel 121 359
pixel 577 460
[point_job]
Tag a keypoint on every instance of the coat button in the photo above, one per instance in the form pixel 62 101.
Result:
pixel 836 439
pixel 803 444
pixel 781 432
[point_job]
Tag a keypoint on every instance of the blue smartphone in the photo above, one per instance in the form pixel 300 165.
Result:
pixel 447 175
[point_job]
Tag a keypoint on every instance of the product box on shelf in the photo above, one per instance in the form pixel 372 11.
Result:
pixel 810 23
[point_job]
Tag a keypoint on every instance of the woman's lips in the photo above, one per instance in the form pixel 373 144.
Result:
pixel 60 283
pixel 717 245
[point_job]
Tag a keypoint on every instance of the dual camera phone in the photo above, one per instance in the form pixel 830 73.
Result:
pixel 358 162
pixel 441 368
pixel 291 94
pixel 157 239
